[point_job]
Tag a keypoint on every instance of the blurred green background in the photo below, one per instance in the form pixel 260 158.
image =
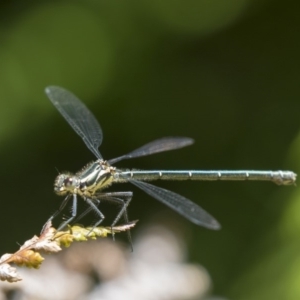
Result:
pixel 225 73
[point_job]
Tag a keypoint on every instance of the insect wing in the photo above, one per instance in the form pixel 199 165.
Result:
pixel 78 116
pixel 180 204
pixel 160 145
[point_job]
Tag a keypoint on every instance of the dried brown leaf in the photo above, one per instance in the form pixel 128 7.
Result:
pixel 50 241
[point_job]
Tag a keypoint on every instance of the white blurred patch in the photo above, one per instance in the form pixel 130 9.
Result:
pixel 105 270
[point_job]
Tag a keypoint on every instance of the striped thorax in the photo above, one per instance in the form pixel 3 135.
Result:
pixel 92 178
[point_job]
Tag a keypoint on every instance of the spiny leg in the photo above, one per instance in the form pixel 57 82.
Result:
pixel 73 216
pixel 62 206
pixel 111 197
pixel 89 209
pixel 127 199
pixel 116 197
pixel 94 207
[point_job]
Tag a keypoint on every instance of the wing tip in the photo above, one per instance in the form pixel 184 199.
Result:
pixel 212 224
pixel 50 88
pixel 215 225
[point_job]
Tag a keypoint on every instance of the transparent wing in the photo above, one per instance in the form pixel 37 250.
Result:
pixel 180 204
pixel 160 145
pixel 78 116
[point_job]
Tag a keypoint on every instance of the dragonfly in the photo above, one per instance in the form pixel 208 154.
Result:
pixel 98 175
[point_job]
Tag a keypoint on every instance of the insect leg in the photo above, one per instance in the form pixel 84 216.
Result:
pixel 89 209
pixel 74 213
pixel 94 207
pixel 124 199
pixel 62 206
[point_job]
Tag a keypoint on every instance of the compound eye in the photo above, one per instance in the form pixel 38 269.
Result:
pixel 68 182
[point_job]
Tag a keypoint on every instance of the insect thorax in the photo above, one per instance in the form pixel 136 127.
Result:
pixel 95 177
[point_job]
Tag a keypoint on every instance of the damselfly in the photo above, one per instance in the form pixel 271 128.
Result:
pixel 98 175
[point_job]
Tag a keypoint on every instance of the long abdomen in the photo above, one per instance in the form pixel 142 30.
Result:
pixel 278 177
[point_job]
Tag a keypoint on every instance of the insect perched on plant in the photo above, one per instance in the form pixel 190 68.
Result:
pixel 90 182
